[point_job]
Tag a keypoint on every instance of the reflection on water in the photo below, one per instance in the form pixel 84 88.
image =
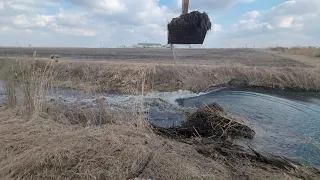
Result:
pixel 286 123
pixel 165 118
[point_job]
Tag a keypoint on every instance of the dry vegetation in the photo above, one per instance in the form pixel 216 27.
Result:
pixel 127 78
pixel 305 51
pixel 211 121
pixel 41 148
pixel 40 140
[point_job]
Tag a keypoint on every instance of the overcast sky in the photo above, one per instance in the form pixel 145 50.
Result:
pixel 89 23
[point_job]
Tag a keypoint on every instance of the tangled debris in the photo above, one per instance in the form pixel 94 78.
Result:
pixel 210 121
pixel 213 120
pixel 194 19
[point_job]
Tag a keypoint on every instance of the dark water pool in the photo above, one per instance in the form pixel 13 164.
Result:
pixel 286 123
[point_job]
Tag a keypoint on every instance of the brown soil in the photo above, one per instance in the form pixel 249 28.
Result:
pixel 247 57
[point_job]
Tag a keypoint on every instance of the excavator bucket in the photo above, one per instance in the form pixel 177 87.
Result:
pixel 190 28
pixel 180 35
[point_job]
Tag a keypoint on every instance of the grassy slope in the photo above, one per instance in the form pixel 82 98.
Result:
pixel 128 77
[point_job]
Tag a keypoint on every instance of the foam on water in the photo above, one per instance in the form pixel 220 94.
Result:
pixel 168 98
pixel 171 97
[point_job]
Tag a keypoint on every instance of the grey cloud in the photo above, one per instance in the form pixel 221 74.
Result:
pixel 298 10
pixel 292 17
pixel 131 12
pixel 211 4
pixel 85 3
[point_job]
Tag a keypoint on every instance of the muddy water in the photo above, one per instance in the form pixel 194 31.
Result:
pixel 286 123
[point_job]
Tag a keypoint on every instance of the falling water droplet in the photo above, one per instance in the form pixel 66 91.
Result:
pixel 173 52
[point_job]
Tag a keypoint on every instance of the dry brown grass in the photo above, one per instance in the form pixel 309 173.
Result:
pixel 9 85
pixel 127 78
pixel 146 77
pixel 40 148
pixel 26 83
pixel 305 51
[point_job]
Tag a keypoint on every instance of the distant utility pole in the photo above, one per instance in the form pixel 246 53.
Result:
pixel 18 44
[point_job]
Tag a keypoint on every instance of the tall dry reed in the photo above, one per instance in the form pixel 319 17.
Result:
pixel 26 82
